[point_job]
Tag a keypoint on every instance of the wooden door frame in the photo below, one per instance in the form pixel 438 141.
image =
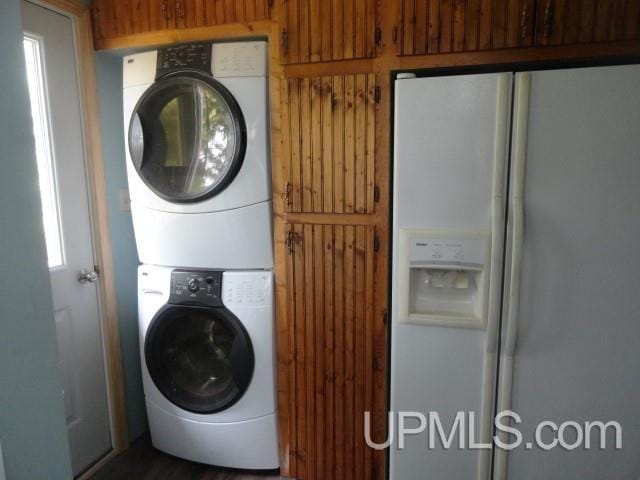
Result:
pixel 96 189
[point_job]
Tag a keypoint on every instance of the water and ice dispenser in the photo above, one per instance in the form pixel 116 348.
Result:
pixel 443 277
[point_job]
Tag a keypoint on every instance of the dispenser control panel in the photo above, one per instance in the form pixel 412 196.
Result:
pixel 447 252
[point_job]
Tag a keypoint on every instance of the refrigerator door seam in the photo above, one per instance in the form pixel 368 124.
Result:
pixel 521 117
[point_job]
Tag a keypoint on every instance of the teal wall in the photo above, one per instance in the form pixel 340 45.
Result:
pixel 109 76
pixel 32 427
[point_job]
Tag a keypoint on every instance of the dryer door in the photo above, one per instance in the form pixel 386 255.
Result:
pixel 200 358
pixel 187 137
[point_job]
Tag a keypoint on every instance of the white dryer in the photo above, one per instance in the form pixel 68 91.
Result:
pixel 208 362
pixel 196 130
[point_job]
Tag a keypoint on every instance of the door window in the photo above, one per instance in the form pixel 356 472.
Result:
pixel 199 358
pixel 44 155
pixel 187 138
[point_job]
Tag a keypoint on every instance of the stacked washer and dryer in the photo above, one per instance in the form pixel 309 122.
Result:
pixel 196 129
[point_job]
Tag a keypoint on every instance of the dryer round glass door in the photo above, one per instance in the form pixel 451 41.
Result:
pixel 187 137
pixel 200 358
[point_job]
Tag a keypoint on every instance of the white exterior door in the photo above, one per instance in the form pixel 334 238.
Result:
pixel 55 104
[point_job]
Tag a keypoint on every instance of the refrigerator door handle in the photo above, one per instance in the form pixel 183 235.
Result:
pixel 519 149
pixel 501 145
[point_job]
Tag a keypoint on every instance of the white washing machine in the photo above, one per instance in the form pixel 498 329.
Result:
pixel 207 339
pixel 196 130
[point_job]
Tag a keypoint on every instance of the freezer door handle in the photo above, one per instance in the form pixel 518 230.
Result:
pixel 519 151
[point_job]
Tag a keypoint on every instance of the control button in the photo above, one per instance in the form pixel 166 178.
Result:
pixel 193 285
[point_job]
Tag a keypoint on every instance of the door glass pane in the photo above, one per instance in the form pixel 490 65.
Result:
pixel 188 137
pixel 200 359
pixel 197 355
pixel 44 155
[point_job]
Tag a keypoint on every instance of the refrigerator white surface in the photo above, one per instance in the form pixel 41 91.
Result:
pixel 577 349
pixel 449 134
pixel 569 330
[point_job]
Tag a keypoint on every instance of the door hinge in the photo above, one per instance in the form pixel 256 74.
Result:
pixel 376 243
pixel 377 94
pixel 394 34
pixel 288 188
pixel 376 193
pixel 378 36
pixel 290 241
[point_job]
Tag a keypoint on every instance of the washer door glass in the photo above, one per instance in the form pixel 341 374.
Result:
pixel 201 359
pixel 187 137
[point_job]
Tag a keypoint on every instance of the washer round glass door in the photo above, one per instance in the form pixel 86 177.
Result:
pixel 200 358
pixel 187 137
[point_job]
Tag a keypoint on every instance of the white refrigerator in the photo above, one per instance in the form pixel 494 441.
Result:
pixel 515 273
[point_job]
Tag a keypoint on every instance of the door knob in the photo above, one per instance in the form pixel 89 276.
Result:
pixel 85 276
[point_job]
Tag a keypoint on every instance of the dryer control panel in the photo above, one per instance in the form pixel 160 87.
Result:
pixel 196 287
pixel 178 57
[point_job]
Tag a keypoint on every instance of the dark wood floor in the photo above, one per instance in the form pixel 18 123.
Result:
pixel 143 462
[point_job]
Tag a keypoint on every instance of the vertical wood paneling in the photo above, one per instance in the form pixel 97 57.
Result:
pixel 419 43
pixel 317 133
pixel 409 21
pixel 337 36
pixel 262 9
pixel 220 13
pixel 306 138
pixel 446 25
pixel 331 330
pixel 513 23
pixel 484 27
pixel 327 144
pixel 499 24
pixel 339 348
pixel 348 21
pixel 338 117
pixel 315 31
pixel 330 144
pixel 229 11
pixel 140 15
pixel 114 18
pixel 324 30
pixel 299 330
pixel 527 22
pixel 566 22
pixel 326 38
pixel 434 26
pixel 349 144
pixel 328 373
pixel 472 25
pixel 459 14
pixel 442 26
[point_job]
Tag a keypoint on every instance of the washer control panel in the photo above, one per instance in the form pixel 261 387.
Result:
pixel 200 287
pixel 247 289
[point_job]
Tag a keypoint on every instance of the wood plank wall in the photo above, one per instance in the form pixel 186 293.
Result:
pixel 113 18
pixel 330 350
pixel 436 26
pixel 328 143
pixel 331 64
pixel 323 30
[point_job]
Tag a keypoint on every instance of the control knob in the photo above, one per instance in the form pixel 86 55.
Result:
pixel 193 285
